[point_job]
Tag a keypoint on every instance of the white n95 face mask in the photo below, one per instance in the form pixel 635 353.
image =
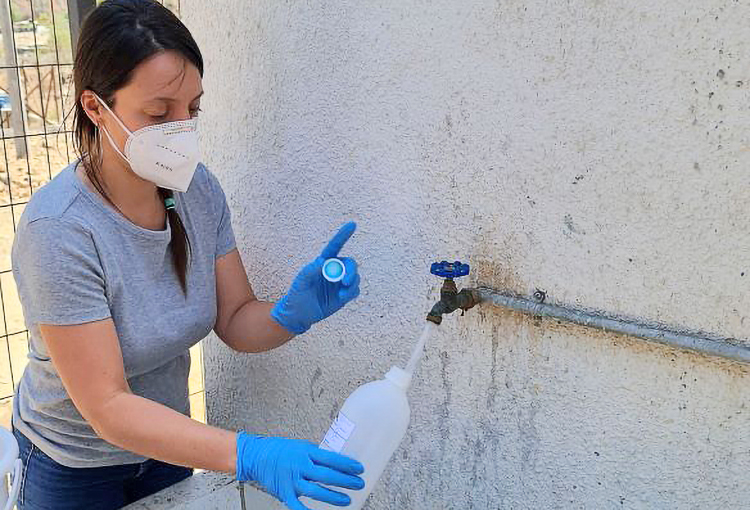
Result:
pixel 166 154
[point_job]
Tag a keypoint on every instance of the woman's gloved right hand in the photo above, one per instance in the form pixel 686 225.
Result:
pixel 290 468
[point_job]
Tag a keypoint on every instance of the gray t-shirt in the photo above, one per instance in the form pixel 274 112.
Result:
pixel 77 260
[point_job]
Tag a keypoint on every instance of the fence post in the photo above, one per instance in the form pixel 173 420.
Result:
pixel 14 81
pixel 77 11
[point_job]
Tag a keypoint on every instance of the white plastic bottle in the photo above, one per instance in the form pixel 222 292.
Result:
pixel 370 426
pixel 10 466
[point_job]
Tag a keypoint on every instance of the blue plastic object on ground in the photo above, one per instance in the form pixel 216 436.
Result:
pixel 5 104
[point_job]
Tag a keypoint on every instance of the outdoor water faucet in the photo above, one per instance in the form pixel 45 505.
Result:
pixel 450 298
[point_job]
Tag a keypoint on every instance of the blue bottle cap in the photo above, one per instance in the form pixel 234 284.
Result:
pixel 334 270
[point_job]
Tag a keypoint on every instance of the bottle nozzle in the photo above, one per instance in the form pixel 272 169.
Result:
pixel 399 377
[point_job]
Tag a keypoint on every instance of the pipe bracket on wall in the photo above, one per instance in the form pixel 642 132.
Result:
pixel 704 343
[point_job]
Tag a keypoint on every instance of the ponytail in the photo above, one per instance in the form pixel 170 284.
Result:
pixel 180 242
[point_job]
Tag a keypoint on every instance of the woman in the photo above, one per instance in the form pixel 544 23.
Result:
pixel 123 262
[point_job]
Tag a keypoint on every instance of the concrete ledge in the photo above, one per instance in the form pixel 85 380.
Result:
pixel 207 491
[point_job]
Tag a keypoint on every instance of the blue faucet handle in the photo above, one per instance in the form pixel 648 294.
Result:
pixel 446 269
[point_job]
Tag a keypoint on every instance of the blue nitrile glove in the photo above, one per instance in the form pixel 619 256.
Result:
pixel 311 297
pixel 290 468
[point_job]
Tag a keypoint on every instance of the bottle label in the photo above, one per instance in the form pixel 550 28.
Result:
pixel 338 434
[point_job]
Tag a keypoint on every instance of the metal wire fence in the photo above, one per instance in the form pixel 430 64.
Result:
pixel 36 93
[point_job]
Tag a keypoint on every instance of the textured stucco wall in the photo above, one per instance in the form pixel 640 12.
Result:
pixel 596 149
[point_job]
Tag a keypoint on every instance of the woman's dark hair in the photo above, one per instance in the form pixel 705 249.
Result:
pixel 116 37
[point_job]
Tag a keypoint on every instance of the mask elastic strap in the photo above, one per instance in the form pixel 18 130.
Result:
pixel 124 128
pixel 106 131
pixel 112 143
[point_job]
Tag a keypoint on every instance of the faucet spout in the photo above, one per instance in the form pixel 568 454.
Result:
pixel 452 300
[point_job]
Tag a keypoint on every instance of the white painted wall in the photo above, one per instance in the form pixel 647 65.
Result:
pixel 596 149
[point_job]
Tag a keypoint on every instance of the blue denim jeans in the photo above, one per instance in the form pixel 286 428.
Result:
pixel 47 485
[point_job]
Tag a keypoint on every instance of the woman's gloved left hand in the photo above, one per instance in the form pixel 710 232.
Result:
pixel 290 469
pixel 312 298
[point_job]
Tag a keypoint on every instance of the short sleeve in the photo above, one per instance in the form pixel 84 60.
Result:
pixel 225 241
pixel 59 274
